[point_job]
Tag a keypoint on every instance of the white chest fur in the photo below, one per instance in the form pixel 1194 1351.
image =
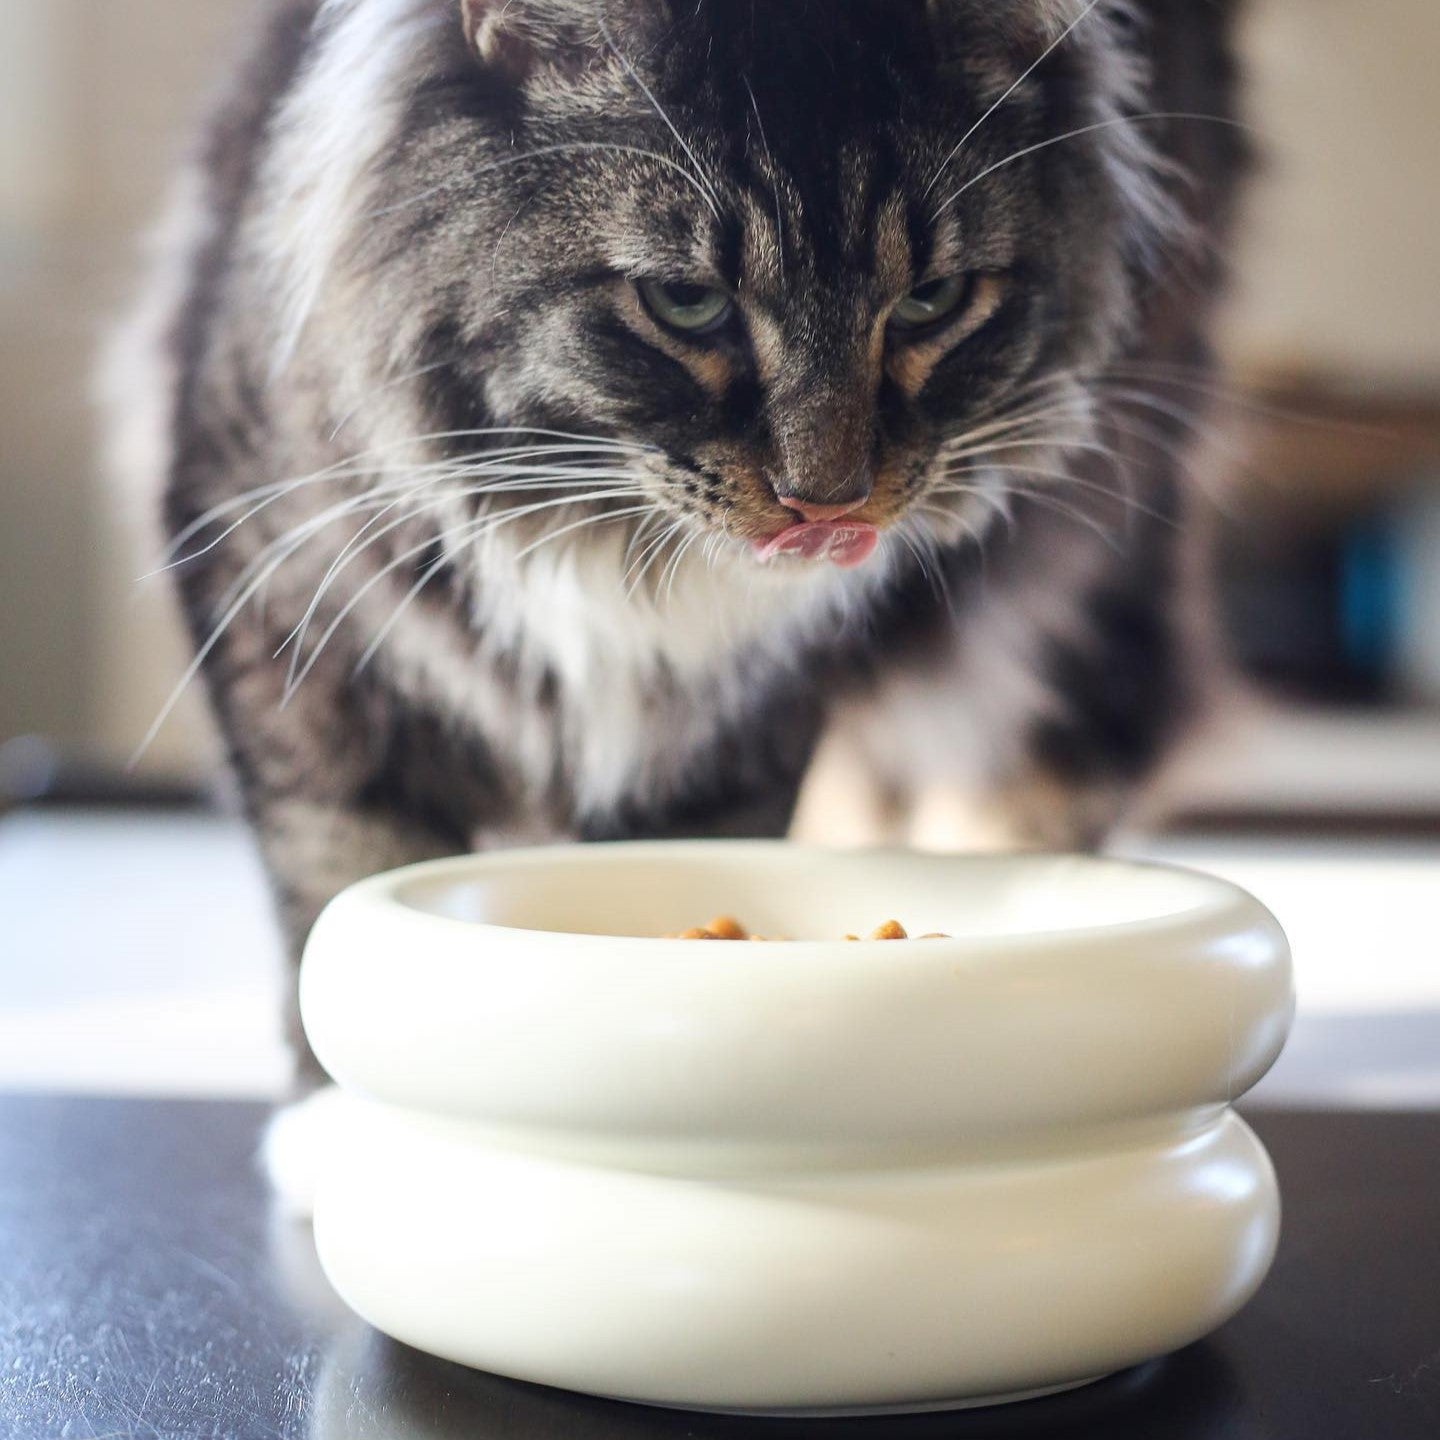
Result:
pixel 624 689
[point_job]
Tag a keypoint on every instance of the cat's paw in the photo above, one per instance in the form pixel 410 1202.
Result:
pixel 296 1142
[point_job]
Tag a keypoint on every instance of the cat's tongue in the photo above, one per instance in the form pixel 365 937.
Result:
pixel 845 543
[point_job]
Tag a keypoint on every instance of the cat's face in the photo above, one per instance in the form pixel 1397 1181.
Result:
pixel 806 254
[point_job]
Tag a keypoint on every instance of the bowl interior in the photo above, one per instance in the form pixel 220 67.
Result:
pixel 788 892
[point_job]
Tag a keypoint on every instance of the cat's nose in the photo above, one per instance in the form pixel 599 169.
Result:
pixel 813 513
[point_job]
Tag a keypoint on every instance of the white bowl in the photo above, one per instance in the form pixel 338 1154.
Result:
pixel 808 1177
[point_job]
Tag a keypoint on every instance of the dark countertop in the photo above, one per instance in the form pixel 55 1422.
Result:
pixel 145 1291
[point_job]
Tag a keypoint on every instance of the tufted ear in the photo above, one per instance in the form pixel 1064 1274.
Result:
pixel 1013 34
pixel 513 38
pixel 500 36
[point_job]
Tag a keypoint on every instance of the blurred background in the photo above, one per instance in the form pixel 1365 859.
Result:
pixel 135 949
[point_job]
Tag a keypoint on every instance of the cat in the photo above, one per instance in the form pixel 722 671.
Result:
pixel 572 411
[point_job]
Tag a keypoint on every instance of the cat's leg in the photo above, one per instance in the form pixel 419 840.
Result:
pixel 316 842
pixel 314 845
pixel 320 828
pixel 340 780
pixel 1036 718
pixel 983 769
pixel 330 806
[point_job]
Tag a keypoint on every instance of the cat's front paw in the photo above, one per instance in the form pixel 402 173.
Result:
pixel 297 1141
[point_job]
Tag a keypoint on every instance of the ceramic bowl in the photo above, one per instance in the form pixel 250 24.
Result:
pixel 804 1177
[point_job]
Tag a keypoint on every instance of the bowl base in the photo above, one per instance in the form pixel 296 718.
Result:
pixel 860 1412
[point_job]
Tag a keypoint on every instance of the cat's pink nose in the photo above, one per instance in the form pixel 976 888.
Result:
pixel 813 513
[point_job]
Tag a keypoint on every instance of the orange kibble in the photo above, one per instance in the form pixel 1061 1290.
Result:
pixel 724 927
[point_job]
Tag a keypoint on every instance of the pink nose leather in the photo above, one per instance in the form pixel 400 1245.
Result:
pixel 813 513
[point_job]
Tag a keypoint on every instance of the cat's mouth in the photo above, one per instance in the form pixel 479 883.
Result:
pixel 843 543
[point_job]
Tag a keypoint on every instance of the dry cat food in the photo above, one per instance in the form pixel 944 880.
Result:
pixel 724 927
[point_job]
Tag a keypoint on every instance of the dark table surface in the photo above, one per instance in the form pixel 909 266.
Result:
pixel 146 1291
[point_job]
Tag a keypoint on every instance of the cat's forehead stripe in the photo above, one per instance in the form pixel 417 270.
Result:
pixel 876 231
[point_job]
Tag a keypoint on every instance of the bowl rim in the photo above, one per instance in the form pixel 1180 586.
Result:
pixel 1214 896
pixel 435 1012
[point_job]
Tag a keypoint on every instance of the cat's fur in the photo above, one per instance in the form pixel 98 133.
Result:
pixel 409 242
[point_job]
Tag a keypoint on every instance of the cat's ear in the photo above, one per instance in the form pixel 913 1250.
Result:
pixel 501 40
pixel 514 38
pixel 1010 34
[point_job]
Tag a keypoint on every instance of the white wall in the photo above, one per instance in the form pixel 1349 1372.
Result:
pixel 94 98
pixel 1340 270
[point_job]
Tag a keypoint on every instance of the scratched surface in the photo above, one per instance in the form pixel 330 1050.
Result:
pixel 145 1292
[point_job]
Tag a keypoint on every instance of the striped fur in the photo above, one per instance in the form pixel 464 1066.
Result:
pixel 409 254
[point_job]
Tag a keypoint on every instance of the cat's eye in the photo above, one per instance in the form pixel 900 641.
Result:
pixel 690 309
pixel 931 304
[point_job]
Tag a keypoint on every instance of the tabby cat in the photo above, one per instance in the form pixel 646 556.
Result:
pixel 569 411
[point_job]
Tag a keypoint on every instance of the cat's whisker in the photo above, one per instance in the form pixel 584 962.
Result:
pixel 302 628
pixel 1066 443
pixel 956 483
pixel 999 104
pixel 354 547
pixel 1066 479
pixel 1202 380
pixel 1174 450
pixel 682 543
pixel 317 523
pixel 1026 405
pixel 204 650
pixel 602 518
pixel 1072 404
pixel 999 428
pixel 363 498
pixel 775 180
pixel 676 563
pixel 706 185
pixel 351 553
pixel 1038 430
pixel 997 503
pixel 641 565
pixel 373 648
pixel 638 534
pixel 653 552
pixel 976 535
pixel 470 531
pixel 294 537
pixel 1047 499
pixel 675 533
pixel 408 486
pixel 927 556
pixel 580 146
pixel 902 534
pixel 393 384
pixel 1151 117
pixel 1194 423
pixel 351 468
pixel 275 493
pixel 1035 439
